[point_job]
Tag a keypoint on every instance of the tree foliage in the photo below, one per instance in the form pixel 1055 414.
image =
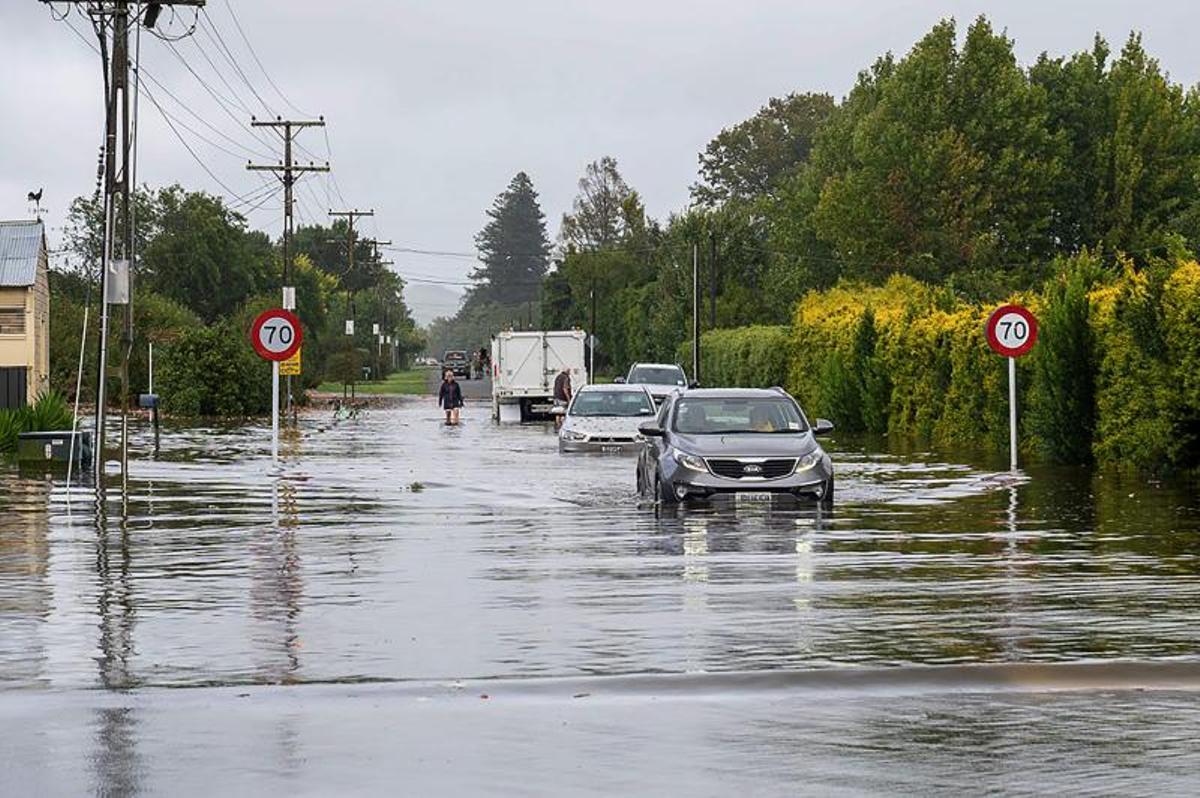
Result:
pixel 749 159
pixel 513 248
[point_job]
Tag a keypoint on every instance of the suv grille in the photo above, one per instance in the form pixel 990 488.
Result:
pixel 733 468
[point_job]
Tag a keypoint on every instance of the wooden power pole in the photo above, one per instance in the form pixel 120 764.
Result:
pixel 287 171
pixel 350 216
pixel 113 21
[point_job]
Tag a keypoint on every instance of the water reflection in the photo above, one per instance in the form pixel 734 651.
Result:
pixel 116 764
pixel 276 588
pixel 115 604
pixel 388 550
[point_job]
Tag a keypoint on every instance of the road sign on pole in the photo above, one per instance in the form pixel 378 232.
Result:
pixel 276 335
pixel 1011 331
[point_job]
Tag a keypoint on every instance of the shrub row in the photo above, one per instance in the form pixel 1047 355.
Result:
pixel 741 356
pixel 1115 376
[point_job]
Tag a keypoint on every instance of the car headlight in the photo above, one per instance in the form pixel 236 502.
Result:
pixel 809 460
pixel 690 461
pixel 572 435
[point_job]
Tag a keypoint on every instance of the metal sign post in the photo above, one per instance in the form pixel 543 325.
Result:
pixel 1011 331
pixel 276 336
pixel 275 412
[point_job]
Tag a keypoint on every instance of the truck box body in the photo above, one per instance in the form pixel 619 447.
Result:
pixel 524 365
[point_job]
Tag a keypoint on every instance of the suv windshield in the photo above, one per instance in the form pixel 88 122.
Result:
pixel 657 375
pixel 612 403
pixel 716 416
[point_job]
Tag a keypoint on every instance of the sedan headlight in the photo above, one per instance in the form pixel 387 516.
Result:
pixel 572 435
pixel 690 461
pixel 809 460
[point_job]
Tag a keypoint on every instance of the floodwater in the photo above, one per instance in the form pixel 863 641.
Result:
pixel 416 609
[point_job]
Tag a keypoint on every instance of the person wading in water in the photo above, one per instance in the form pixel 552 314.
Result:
pixel 450 397
pixel 562 393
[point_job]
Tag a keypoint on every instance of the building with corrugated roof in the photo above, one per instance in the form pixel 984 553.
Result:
pixel 24 312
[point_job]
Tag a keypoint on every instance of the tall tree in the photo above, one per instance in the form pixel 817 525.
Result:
pixel 513 247
pixel 203 257
pixel 750 159
pixel 600 215
pixel 951 164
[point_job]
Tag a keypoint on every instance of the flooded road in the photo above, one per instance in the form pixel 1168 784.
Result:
pixel 416 608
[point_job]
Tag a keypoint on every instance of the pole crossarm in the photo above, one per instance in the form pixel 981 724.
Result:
pixel 255 167
pixel 105 7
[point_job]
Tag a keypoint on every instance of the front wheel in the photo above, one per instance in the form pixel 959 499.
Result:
pixel 662 493
pixel 827 494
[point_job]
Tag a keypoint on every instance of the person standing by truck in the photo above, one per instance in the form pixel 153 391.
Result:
pixel 450 397
pixel 562 393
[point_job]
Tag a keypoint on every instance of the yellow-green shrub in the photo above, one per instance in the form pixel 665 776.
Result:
pixel 742 357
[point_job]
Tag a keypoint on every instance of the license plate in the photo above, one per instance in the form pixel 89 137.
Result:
pixel 610 449
pixel 753 498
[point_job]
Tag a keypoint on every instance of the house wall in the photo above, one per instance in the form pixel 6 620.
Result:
pixel 16 350
pixel 38 320
pixel 32 348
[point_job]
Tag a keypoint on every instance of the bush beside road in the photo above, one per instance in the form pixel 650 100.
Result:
pixel 1113 377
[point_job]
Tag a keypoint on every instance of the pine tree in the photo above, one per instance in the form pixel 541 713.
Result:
pixel 513 247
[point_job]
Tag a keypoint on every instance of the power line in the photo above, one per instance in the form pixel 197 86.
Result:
pixel 237 98
pixel 224 49
pixel 221 102
pixel 258 61
pixel 186 146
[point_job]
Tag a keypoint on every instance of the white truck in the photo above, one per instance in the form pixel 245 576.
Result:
pixel 524 365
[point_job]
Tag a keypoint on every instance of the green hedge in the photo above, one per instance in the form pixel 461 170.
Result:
pixel 1115 376
pixel 213 371
pixel 744 357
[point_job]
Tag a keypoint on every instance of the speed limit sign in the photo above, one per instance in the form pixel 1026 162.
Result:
pixel 276 334
pixel 1011 330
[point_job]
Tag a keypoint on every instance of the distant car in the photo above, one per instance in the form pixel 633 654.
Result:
pixel 456 360
pixel 755 443
pixel 605 418
pixel 662 379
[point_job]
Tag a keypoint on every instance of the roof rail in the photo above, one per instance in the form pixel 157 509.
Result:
pixel 778 389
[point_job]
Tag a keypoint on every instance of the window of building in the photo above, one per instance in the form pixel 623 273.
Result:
pixel 12 320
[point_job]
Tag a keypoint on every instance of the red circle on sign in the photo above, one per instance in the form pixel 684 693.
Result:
pixel 269 331
pixel 1011 330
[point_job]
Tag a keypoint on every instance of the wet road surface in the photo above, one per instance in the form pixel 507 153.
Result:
pixel 420 609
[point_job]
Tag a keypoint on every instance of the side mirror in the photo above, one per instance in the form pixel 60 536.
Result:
pixel 822 427
pixel 618 380
pixel 693 384
pixel 651 430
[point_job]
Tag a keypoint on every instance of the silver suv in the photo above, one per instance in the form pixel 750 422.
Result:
pixel 661 379
pixel 755 443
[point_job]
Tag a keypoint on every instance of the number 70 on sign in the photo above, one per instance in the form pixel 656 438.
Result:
pixel 276 334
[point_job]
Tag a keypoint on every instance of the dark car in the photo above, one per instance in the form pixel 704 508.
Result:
pixel 456 360
pixel 754 443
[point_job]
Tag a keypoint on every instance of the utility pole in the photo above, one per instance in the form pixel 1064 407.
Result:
pixel 695 313
pixel 712 286
pixel 114 17
pixel 287 172
pixel 375 245
pixel 592 336
pixel 350 216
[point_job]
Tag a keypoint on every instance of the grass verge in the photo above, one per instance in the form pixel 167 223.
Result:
pixel 406 381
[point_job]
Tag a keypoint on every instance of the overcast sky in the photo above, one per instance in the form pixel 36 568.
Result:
pixel 433 106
